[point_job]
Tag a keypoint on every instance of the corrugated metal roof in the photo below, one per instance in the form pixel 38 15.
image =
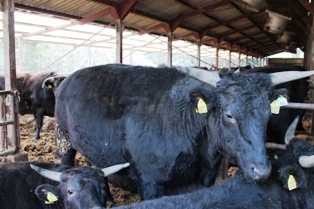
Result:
pixel 219 23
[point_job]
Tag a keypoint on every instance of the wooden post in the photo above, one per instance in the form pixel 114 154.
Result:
pixel 309 60
pixel 9 107
pixel 229 60
pixel 217 58
pixel 198 53
pixel 9 44
pixel 119 38
pixel 169 57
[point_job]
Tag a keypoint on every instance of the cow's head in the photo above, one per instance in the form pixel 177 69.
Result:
pixel 295 167
pixel 79 188
pixel 53 82
pixel 241 115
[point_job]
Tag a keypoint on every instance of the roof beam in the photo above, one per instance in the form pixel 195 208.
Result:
pixel 215 19
pixel 238 31
pixel 244 37
pixel 84 20
pixel 205 30
pixel 307 5
pixel 96 15
pixel 194 34
pixel 301 25
pixel 155 27
pixel 176 22
pixel 125 7
pixel 121 9
pixel 299 14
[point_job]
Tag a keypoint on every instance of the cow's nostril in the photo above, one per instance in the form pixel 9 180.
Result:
pixel 259 172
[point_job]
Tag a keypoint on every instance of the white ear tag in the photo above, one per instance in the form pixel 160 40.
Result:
pixel 279 102
pixel 201 107
pixel 292 184
pixel 274 108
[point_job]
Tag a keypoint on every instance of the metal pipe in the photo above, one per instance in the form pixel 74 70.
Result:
pixel 293 105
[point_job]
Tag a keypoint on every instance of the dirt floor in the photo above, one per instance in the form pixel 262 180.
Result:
pixel 43 150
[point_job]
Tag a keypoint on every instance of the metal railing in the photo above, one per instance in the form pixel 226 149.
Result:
pixel 9 123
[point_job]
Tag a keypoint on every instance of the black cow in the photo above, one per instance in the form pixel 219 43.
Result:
pixel 290 185
pixel 54 81
pixel 147 116
pixel 33 98
pixel 296 92
pixel 78 188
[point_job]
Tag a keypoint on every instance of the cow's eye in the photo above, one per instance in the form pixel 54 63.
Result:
pixel 70 192
pixel 229 116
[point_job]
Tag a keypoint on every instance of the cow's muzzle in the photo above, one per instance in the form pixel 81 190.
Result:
pixel 258 171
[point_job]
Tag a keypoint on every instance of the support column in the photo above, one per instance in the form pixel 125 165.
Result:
pixel 198 53
pixel 9 44
pixel 10 138
pixel 21 47
pixel 239 59
pixel 169 57
pixel 217 58
pixel 229 60
pixel 119 38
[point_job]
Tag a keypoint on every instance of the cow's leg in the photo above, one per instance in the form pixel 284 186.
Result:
pixel 107 191
pixel 68 158
pixel 39 117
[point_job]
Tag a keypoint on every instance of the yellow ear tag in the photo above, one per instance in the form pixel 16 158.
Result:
pixel 201 106
pixel 292 184
pixel 274 108
pixel 279 102
pixel 49 86
pixel 51 198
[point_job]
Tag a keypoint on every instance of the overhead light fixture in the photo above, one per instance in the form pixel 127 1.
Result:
pixel 253 5
pixel 286 38
pixel 276 23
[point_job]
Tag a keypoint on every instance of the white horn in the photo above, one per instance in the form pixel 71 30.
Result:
pixel 307 161
pixel 291 130
pixel 114 169
pixel 210 77
pixel 282 77
pixel 47 79
pixel 52 175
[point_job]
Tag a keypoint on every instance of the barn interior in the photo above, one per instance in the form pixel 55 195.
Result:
pixel 252 29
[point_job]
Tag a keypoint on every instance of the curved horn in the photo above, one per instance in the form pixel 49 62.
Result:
pixel 210 77
pixel 291 130
pixel 114 169
pixel 47 79
pixel 282 77
pixel 53 175
pixel 307 161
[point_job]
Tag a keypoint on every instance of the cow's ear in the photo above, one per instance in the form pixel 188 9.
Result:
pixel 203 101
pixel 278 92
pixel 292 177
pixel 49 83
pixel 47 193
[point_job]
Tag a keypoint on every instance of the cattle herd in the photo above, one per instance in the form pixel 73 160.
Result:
pixel 163 132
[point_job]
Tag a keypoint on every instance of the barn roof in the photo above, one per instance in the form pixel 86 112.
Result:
pixel 254 27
